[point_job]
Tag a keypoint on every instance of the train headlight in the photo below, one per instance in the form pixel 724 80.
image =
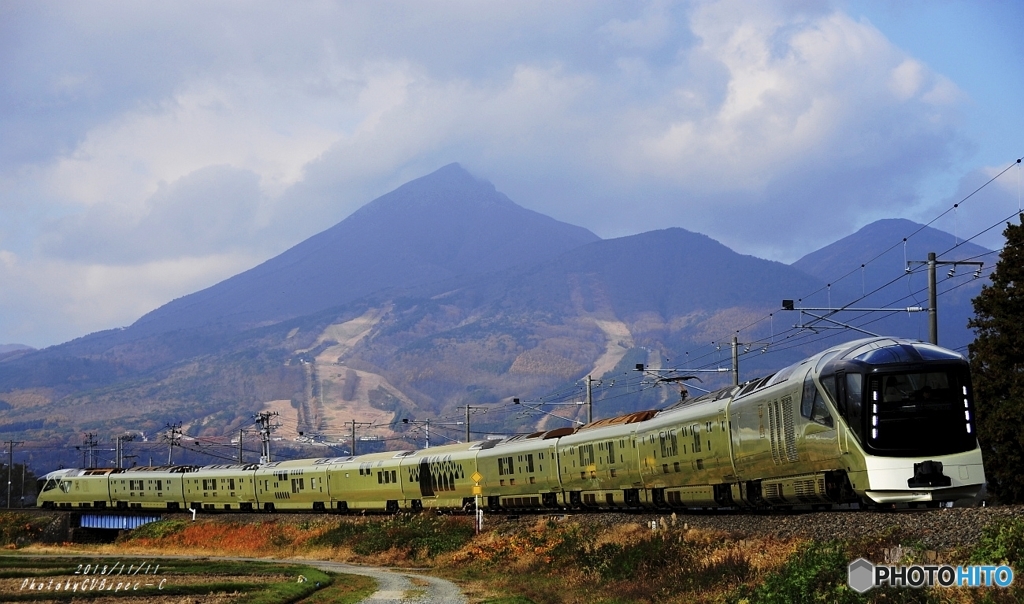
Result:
pixel 967 410
pixel 874 414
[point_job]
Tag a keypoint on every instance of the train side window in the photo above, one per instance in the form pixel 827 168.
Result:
pixel 812 405
pixel 807 398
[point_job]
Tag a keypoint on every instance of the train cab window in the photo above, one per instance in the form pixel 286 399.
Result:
pixel 854 393
pixel 812 405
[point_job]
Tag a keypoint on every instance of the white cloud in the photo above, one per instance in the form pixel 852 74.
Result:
pixel 192 136
pixel 47 301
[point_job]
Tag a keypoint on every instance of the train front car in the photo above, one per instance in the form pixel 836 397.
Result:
pixel 74 488
pixel 909 412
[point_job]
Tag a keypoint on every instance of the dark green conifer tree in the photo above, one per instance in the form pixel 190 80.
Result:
pixel 997 364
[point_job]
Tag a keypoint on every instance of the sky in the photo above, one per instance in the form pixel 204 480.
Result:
pixel 151 149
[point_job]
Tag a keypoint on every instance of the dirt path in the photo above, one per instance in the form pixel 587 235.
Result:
pixel 394 585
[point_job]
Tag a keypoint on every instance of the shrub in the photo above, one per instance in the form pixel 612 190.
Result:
pixel 18 528
pixel 815 573
pixel 1001 542
pixel 414 534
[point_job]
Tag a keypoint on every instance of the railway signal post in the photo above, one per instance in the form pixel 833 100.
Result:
pixel 477 490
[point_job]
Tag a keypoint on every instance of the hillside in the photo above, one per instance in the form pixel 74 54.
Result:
pixel 442 294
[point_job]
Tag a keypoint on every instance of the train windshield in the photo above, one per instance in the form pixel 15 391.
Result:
pixel 919 413
pixel 905 400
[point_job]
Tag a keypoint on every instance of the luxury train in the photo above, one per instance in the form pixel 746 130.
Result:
pixel 878 421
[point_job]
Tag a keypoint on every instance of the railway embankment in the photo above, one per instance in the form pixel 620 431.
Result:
pixel 610 557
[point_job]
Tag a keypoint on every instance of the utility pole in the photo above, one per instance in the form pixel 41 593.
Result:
pixel 590 399
pixel 264 428
pixel 468 408
pixel 354 424
pixel 90 443
pixel 119 448
pixel 10 468
pixel 735 361
pixel 933 310
pixel 172 440
pixel 241 432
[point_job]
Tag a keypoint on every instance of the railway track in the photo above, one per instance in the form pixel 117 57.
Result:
pixel 937 529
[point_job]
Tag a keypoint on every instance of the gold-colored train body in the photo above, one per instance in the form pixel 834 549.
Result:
pixel 875 421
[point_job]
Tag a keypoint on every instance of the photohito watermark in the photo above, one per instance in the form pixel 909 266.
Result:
pixel 863 575
pixel 116 577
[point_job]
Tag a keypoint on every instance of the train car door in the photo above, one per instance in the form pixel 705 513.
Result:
pixel 426 486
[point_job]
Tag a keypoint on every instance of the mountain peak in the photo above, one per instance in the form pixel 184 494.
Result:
pixel 442 225
pixel 851 251
pixel 450 188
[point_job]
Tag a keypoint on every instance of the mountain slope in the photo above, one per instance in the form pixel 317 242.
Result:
pixel 440 226
pixel 597 309
pixel 885 281
pixel 853 250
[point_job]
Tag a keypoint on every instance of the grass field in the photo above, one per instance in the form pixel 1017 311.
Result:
pixel 141 579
